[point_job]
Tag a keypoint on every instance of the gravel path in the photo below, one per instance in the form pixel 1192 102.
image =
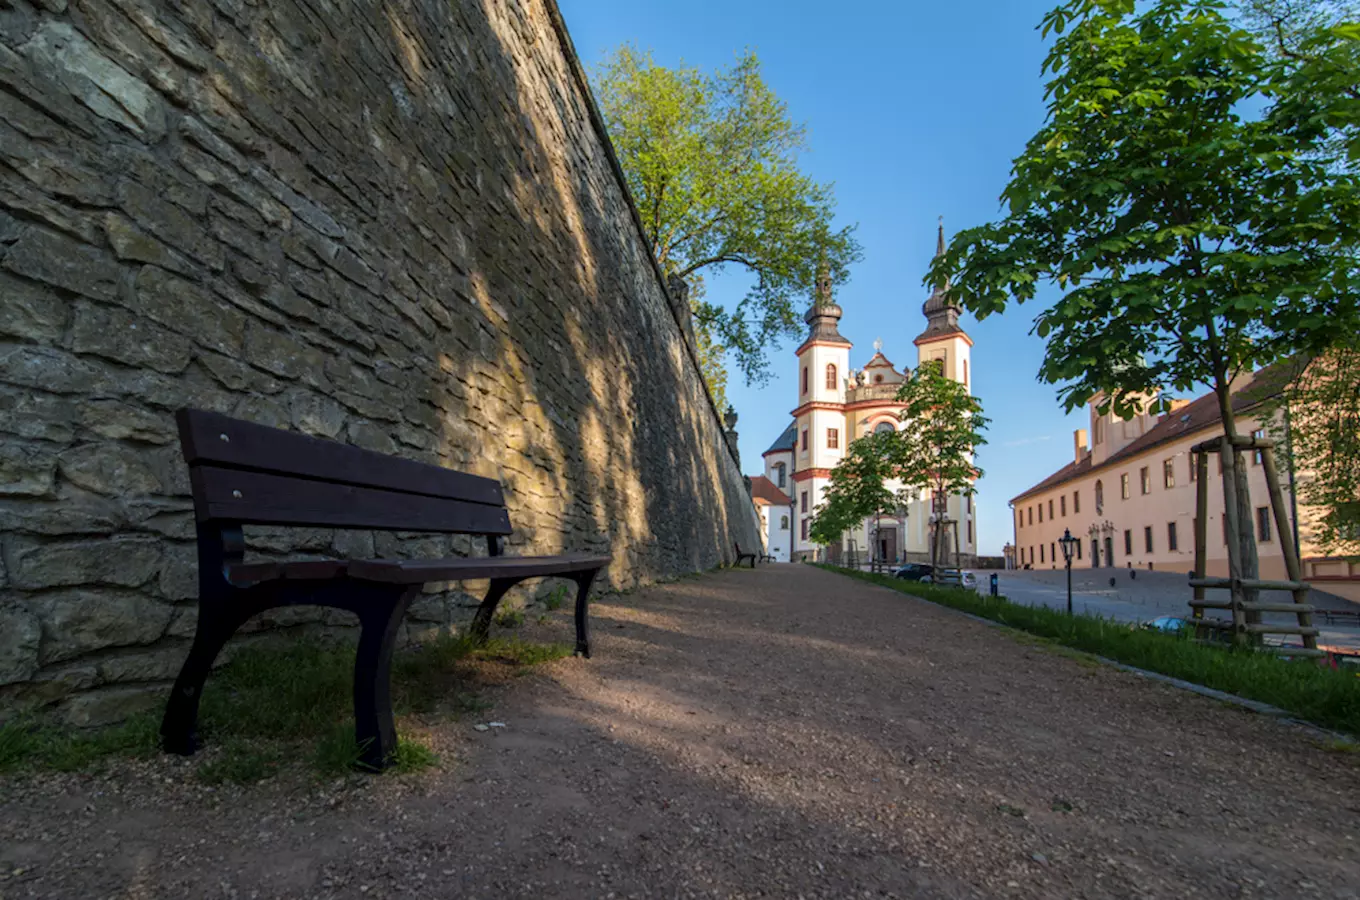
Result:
pixel 780 733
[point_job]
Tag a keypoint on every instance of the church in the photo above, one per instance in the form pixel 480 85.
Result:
pixel 838 403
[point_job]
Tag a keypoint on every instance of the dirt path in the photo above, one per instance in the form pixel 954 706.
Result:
pixel 779 733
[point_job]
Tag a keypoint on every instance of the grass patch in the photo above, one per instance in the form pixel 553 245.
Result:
pixel 510 618
pixel 273 706
pixel 556 600
pixel 1314 693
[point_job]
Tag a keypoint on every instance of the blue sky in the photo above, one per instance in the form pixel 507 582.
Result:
pixel 915 110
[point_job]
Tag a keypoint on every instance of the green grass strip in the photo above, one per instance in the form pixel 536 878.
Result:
pixel 1314 693
pixel 271 706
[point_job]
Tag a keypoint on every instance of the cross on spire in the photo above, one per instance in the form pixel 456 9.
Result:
pixel 939 242
pixel 878 345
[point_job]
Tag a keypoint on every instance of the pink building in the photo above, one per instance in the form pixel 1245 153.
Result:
pixel 1130 496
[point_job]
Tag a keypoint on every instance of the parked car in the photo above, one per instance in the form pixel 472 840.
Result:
pixel 921 572
pixel 1185 627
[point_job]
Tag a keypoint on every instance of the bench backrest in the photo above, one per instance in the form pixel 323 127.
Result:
pixel 251 474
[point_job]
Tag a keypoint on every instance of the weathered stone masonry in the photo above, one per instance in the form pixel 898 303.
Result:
pixel 391 223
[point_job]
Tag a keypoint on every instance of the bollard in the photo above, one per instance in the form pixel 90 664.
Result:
pixel 993 585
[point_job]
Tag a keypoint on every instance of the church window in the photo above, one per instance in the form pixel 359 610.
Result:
pixel 805 529
pixel 833 438
pixel 781 474
pixel 970 531
pixel 805 431
pixel 878 379
pixel 805 379
pixel 831 377
pixel 883 428
pixel 965 373
pixel 802 503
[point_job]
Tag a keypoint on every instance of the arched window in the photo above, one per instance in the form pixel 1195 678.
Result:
pixel 831 376
pixel 883 427
pixel 878 379
pixel 783 523
pixel 780 473
pixel 1100 494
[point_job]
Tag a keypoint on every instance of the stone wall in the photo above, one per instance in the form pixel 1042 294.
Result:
pixel 394 224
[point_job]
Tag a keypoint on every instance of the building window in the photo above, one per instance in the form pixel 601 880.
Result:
pixel 1256 454
pixel 1053 552
pixel 1100 431
pixel 1263 524
pixel 805 432
pixel 1041 512
pixel 1124 486
pixel 1100 497
pixel 1225 527
pixel 1076 502
pixel 1169 474
pixel 783 523
pixel 802 502
pixel 965 373
pixel 1128 542
pixel 1062 504
pixel 968 503
pixel 805 529
pixel 1019 519
pixel 833 438
pixel 1145 480
pixel 970 531
pixel 1041 553
pixel 1031 516
pixel 805 380
pixel 831 377
pixel 1078 549
pixel 878 379
pixel 1147 538
pixel 1050 510
pixel 1194 469
pixel 1171 536
pixel 782 474
pixel 884 428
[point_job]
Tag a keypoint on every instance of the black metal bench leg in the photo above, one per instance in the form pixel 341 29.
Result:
pixel 179 727
pixel 583 582
pixel 374 729
pixel 481 623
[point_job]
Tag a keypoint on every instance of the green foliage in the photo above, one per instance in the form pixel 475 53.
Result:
pixel 858 488
pixel 1194 239
pixel 556 600
pixel 510 618
pixel 28 743
pixel 1324 696
pixel 712 163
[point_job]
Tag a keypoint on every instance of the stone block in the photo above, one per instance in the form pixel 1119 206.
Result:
pixel 34 414
pixel 186 307
pixel 108 90
pixel 315 414
pixel 161 662
pixel 31 311
pixel 109 468
pixel 27 469
pixel 117 334
pixel 179 573
pixel 106 706
pixel 81 621
pixel 132 244
pixel 57 260
pixel 48 369
pixel 283 355
pixel 20 636
pixel 125 421
pixel 125 561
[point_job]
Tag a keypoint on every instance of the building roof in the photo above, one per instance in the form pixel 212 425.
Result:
pixel 764 489
pixel 786 441
pixel 1198 415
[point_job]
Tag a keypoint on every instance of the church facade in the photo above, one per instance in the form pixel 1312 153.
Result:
pixel 839 403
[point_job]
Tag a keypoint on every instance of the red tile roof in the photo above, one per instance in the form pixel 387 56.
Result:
pixel 1198 415
pixel 763 488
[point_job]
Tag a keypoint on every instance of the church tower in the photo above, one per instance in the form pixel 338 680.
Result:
pixel 944 340
pixel 819 419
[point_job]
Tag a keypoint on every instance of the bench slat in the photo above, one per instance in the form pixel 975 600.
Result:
pixel 414 571
pixel 265 449
pixel 455 568
pixel 260 498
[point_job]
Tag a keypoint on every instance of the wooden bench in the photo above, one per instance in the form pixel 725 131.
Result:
pixel 741 556
pixel 248 474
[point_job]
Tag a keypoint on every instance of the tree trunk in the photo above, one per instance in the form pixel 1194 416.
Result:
pixel 1234 467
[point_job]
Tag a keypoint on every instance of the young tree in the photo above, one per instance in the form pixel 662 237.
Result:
pixel 932 454
pixel 1195 239
pixel 712 163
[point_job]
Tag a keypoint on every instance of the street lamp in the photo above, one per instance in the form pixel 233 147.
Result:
pixel 1069 545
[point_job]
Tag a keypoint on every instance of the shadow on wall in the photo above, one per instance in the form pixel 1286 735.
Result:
pixel 394 227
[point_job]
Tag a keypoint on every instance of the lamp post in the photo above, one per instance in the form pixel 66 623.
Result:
pixel 1068 544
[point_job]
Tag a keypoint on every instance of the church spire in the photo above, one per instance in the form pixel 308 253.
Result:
pixel 941 311
pixel 823 315
pixel 939 242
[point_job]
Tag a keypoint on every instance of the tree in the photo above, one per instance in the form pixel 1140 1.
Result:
pixel 932 453
pixel 1194 240
pixel 712 164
